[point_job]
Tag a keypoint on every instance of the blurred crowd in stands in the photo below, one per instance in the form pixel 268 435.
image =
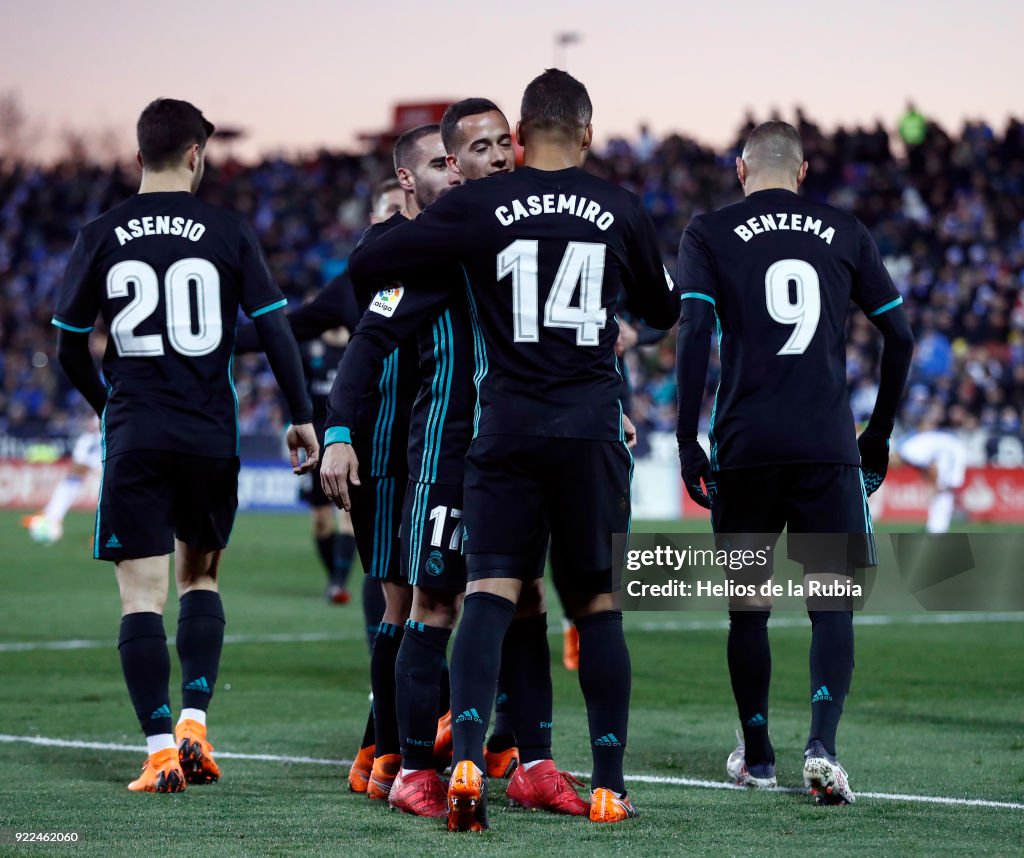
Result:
pixel 946 209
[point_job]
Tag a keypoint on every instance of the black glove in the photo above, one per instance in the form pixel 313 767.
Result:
pixel 696 467
pixel 874 458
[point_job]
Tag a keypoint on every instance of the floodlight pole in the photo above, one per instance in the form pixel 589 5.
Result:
pixel 562 41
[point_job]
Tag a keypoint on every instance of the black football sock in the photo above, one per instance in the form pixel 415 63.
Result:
pixel 831 672
pixel 199 641
pixel 417 687
pixel 142 645
pixel 373 607
pixel 325 548
pixel 444 698
pixel 750 669
pixel 606 680
pixel 475 662
pixel 526 660
pixel 502 736
pixel 344 552
pixel 382 680
pixel 368 733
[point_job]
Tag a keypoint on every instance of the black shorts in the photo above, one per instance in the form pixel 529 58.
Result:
pixel 824 507
pixel 376 520
pixel 312 491
pixel 149 498
pixel 432 537
pixel 520 488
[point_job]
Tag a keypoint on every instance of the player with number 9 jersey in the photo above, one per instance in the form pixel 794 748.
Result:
pixel 776 274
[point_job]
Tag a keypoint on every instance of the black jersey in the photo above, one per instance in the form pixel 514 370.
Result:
pixel 544 257
pixel 320 362
pixel 168 274
pixel 378 424
pixel 781 271
pixel 379 418
pixel 433 308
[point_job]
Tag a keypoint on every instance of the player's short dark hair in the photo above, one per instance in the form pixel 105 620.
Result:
pixel 405 145
pixel 774 144
pixel 459 111
pixel 556 101
pixel 166 128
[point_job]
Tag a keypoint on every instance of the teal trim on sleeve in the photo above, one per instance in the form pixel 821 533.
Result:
pixel 886 307
pixel 277 305
pixel 337 435
pixel 66 327
pixel 699 295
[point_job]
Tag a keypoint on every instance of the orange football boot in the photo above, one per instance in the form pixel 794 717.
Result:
pixel 467 801
pixel 420 793
pixel 362 765
pixel 571 648
pixel 160 773
pixel 443 742
pixel 606 806
pixel 195 753
pixel 544 787
pixel 501 764
pixel 382 776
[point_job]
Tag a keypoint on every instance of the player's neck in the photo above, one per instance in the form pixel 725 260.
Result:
pixel 551 156
pixel 162 181
pixel 412 208
pixel 769 183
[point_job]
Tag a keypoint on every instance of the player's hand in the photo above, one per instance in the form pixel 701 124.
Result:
pixel 628 337
pixel 630 430
pixel 340 467
pixel 303 437
pixel 695 467
pixel 874 458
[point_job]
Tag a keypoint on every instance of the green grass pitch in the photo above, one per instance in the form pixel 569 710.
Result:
pixel 936 710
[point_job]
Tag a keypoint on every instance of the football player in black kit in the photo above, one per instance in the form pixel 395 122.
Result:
pixel 545 252
pixel 479 144
pixel 168 274
pixel 424 175
pixel 777 272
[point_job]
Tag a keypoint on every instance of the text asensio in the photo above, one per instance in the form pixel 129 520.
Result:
pixel 159 225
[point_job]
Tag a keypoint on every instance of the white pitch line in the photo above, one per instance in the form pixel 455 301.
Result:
pixel 950 618
pixel 646 779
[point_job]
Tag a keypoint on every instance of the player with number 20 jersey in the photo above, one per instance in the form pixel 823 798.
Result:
pixel 168 274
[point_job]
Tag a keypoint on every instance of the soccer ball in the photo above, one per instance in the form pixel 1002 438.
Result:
pixel 44 531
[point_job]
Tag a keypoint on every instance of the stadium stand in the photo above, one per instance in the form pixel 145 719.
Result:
pixel 948 214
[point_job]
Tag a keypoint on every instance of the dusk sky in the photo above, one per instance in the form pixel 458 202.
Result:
pixel 314 72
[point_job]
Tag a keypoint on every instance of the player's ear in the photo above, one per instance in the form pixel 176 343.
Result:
pixel 138 159
pixel 801 174
pixel 741 170
pixel 405 180
pixel 453 164
pixel 520 136
pixel 588 137
pixel 193 157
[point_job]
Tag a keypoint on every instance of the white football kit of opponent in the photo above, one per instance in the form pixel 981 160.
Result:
pixel 947 454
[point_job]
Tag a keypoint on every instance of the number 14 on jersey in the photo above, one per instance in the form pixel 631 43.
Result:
pixel 583 264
